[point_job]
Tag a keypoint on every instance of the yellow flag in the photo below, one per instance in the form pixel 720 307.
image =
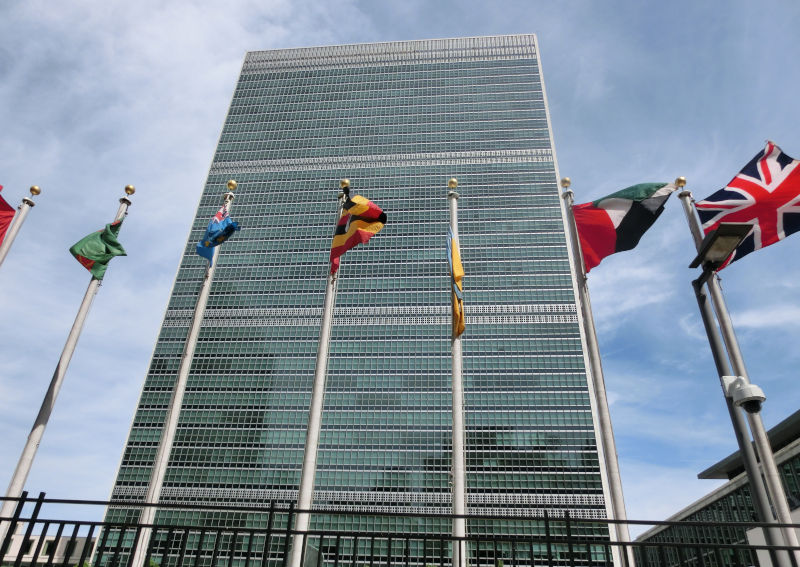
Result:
pixel 456 275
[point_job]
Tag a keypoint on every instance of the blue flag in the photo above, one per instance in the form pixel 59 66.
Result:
pixel 219 230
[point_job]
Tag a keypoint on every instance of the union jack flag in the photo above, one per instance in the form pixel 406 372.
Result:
pixel 222 213
pixel 765 194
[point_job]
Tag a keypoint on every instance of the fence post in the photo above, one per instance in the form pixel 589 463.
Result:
pixel 288 537
pixel 34 515
pixel 569 540
pixel 548 538
pixel 12 525
pixel 268 535
pixel 86 544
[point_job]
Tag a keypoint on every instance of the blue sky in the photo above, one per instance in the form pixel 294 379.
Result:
pixel 97 95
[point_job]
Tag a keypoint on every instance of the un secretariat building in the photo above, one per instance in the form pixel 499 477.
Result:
pixel 397 119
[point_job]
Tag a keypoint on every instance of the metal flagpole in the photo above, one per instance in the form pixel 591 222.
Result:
pixel 16 222
pixel 37 431
pixel 148 514
pixel 459 447
pixel 759 494
pixel 603 414
pixel 305 493
pixel 757 491
pixel 771 479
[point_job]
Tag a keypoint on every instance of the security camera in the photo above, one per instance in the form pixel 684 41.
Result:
pixel 749 397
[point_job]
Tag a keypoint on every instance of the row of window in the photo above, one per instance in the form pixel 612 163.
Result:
pixel 435 478
pixel 322 82
pixel 378 299
pixel 387 346
pixel 307 148
pixel 558 334
pixel 528 438
pixel 478 98
pixel 433 375
pixel 425 179
pixel 459 138
pixel 442 97
pixel 420 237
pixel 406 120
pixel 422 126
pixel 391 403
pixel 413 71
pixel 499 439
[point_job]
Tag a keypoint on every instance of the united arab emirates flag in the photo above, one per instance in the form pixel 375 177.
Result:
pixel 95 251
pixel 6 216
pixel 617 222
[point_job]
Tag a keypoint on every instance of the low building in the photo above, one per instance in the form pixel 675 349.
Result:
pixel 732 502
pixel 48 550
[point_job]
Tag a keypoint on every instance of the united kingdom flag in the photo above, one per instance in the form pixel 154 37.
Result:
pixel 765 194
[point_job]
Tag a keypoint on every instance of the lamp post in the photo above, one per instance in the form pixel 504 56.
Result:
pixel 757 489
pixel 715 248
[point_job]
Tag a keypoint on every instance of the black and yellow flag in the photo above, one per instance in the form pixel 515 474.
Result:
pixel 361 219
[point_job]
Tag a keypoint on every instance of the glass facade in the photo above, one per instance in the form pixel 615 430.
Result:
pixel 730 503
pixel 398 120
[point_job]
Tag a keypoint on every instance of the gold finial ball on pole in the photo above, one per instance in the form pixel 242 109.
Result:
pixel 231 185
pixel 344 184
pixel 130 189
pixel 452 183
pixel 35 190
pixel 680 181
pixel 566 182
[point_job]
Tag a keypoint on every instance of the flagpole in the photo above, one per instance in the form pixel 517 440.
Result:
pixel 16 222
pixel 759 494
pixel 48 403
pixel 148 514
pixel 603 414
pixel 459 447
pixel 771 477
pixel 306 490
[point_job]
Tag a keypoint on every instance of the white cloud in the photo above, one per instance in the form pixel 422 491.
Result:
pixel 779 316
pixel 625 289
pixel 673 409
pixel 692 325
pixel 670 426
pixel 93 97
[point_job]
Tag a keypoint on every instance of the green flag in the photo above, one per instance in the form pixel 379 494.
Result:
pixel 96 250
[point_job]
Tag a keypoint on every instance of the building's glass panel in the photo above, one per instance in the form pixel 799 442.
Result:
pixel 734 505
pixel 398 119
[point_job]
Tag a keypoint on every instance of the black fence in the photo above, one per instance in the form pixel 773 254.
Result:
pixel 225 536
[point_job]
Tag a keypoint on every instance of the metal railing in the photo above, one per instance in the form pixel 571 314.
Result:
pixel 227 536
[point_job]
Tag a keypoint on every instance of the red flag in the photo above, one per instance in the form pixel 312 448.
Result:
pixel 617 222
pixel 6 216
